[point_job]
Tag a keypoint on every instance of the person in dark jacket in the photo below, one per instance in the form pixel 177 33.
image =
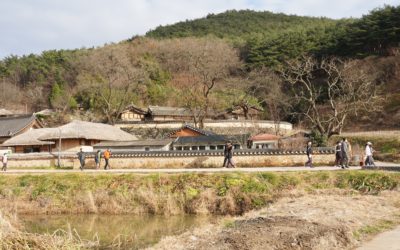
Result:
pixel 345 154
pixel 82 158
pixel 97 159
pixel 228 155
pixel 309 152
pixel 338 154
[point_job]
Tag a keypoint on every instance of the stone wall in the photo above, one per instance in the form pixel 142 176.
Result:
pixel 182 159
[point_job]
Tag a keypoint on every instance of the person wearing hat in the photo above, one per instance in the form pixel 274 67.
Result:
pixel 5 161
pixel 369 160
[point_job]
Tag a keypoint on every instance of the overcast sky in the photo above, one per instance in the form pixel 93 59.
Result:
pixel 31 26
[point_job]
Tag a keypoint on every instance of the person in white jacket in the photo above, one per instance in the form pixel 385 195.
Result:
pixel 369 160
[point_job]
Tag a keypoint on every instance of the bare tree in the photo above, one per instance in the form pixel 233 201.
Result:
pixel 327 91
pixel 112 80
pixel 268 87
pixel 205 62
pixel 10 95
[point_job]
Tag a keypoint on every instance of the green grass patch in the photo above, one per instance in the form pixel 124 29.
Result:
pixel 376 228
pixel 220 193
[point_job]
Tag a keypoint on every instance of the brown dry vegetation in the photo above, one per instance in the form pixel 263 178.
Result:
pixel 320 220
pixel 301 194
pixel 13 239
pixel 225 193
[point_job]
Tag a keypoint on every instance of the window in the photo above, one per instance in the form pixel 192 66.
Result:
pixel 220 147
pixel 147 149
pixel 202 148
pixel 213 148
pixel 32 150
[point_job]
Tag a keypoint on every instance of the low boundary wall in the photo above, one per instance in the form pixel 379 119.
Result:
pixel 178 159
pixel 207 124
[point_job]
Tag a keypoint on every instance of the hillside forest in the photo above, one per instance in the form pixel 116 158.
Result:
pixel 328 75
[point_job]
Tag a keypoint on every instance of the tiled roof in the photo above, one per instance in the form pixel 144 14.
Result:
pixel 135 109
pixel 134 143
pixel 12 125
pixel 264 137
pixel 198 130
pixel 200 140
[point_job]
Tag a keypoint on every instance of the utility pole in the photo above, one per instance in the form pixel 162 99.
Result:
pixel 59 148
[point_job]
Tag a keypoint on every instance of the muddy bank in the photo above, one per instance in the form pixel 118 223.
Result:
pixel 317 221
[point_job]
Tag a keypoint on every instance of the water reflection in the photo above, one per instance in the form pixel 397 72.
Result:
pixel 143 230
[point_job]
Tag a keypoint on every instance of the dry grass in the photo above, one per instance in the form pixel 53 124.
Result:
pixel 12 238
pixel 345 216
pixel 225 193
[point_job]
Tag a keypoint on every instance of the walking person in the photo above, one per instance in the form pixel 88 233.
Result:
pixel 82 158
pixel 97 158
pixel 107 156
pixel 345 154
pixel 228 155
pixel 4 161
pixel 309 152
pixel 369 159
pixel 338 154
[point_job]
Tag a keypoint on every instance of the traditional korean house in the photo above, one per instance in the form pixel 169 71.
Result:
pixel 72 136
pixel 238 113
pixel 133 113
pixel 266 141
pixel 14 125
pixel 157 113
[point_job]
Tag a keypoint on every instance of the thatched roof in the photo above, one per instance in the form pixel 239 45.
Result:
pixel 30 138
pixel 73 130
pixel 90 131
pixel 4 112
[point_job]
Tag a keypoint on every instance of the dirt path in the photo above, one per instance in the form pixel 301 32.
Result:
pixel 187 170
pixel 385 241
pixel 173 171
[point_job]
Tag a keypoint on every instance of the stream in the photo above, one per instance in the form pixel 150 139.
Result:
pixel 140 230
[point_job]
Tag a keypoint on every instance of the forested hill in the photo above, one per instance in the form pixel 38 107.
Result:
pixel 248 53
pixel 237 25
